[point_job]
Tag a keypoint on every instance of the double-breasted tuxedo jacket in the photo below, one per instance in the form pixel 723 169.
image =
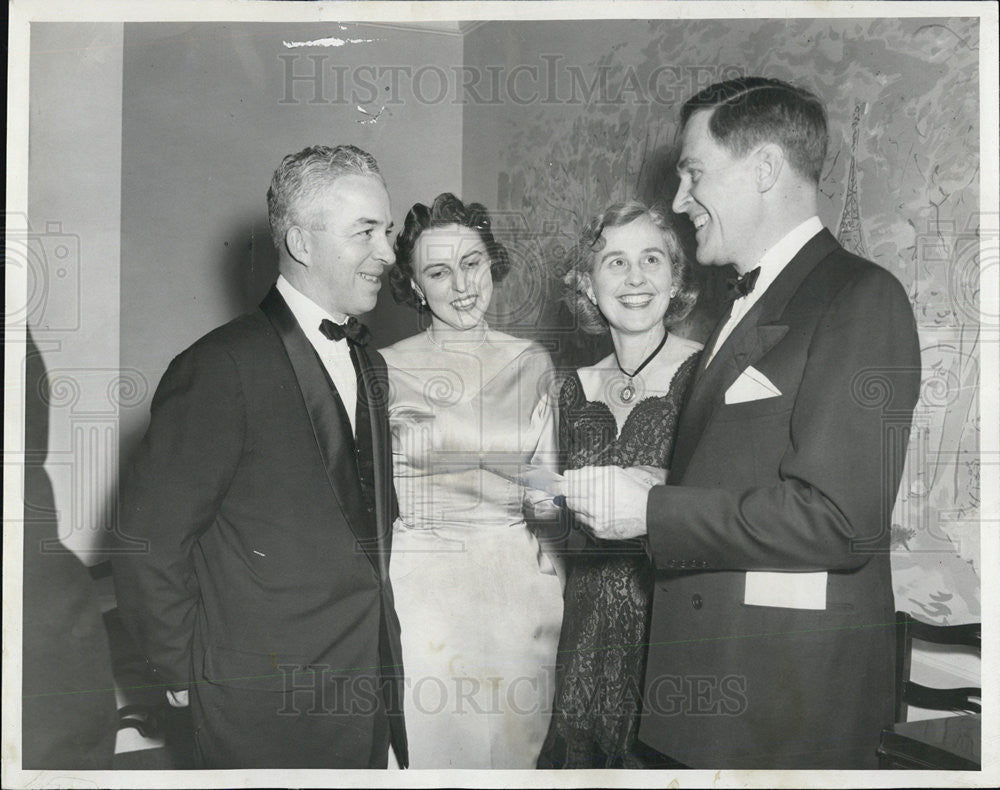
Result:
pixel 264 585
pixel 803 481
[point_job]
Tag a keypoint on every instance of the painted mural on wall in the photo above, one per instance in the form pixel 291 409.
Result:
pixel 901 187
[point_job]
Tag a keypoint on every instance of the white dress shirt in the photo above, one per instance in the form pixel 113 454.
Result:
pixel 335 354
pixel 771 265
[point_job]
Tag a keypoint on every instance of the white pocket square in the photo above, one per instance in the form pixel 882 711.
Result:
pixel 750 386
pixel 786 590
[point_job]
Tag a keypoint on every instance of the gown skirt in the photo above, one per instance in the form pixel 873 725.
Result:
pixel 602 649
pixel 479 601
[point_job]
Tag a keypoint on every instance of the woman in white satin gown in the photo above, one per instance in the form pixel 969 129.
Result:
pixel 479 600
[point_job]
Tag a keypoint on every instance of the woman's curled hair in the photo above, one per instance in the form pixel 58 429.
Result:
pixel 581 265
pixel 446 210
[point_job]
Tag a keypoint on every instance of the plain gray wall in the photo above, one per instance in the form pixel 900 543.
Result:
pixel 204 126
pixel 74 211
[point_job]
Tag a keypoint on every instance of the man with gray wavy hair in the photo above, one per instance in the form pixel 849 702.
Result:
pixel 263 488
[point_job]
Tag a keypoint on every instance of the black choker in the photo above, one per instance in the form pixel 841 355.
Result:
pixel 628 391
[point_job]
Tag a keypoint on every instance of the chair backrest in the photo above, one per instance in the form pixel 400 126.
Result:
pixel 908 693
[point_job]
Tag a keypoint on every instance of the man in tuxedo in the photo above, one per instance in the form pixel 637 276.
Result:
pixel 771 641
pixel 263 489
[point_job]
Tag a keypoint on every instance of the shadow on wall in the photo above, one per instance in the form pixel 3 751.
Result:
pixel 659 185
pixel 247 266
pixel 250 264
pixel 69 716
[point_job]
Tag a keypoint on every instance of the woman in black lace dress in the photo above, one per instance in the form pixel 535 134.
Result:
pixel 629 277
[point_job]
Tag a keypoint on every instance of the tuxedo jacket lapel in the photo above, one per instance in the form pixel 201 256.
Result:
pixel 373 395
pixel 334 437
pixel 756 334
pixel 697 406
pixel 706 357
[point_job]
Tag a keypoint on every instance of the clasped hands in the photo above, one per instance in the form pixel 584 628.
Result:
pixel 611 501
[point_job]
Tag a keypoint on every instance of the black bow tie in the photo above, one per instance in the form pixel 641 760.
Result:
pixel 744 284
pixel 353 330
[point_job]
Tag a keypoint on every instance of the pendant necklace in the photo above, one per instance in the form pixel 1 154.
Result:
pixel 628 391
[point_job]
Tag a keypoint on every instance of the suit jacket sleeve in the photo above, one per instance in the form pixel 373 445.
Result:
pixel 171 495
pixel 837 478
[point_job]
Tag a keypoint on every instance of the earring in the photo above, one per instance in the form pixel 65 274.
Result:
pixel 673 293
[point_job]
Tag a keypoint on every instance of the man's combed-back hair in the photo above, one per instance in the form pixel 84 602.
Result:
pixel 750 111
pixel 301 177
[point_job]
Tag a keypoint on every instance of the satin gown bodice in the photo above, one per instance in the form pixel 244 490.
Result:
pixel 479 601
pixel 453 440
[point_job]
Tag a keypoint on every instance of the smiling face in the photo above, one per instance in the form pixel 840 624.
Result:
pixel 718 193
pixel 451 269
pixel 631 280
pixel 348 244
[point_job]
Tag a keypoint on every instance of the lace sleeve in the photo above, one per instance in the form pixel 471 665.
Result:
pixel 569 394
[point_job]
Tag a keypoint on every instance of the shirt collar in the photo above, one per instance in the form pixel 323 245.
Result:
pixel 780 254
pixel 309 314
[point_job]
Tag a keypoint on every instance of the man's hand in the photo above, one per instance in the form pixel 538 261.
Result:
pixel 609 500
pixel 649 475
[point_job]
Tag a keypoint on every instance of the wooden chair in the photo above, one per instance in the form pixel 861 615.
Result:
pixel 946 743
